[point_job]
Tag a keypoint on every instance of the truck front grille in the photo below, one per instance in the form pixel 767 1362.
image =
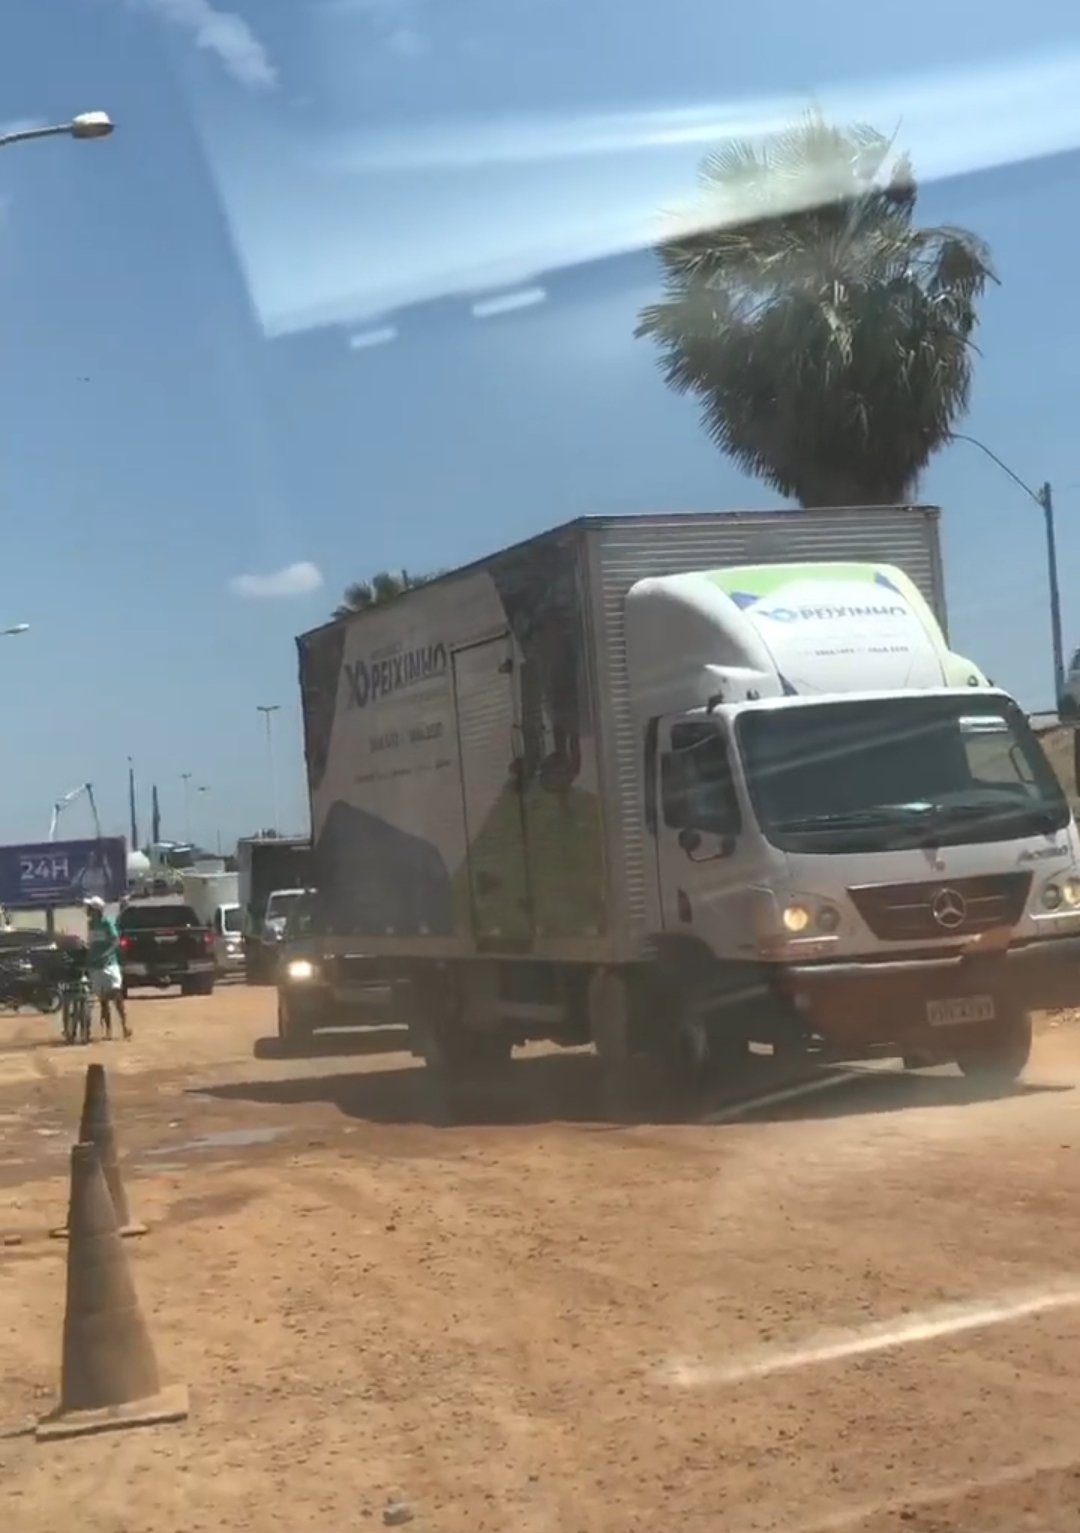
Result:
pixel 955 907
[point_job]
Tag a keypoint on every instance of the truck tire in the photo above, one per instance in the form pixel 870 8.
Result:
pixel 998 1056
pixel 435 1005
pixel 452 1052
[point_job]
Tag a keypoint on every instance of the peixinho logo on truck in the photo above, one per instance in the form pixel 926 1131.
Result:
pixel 392 670
pixel 793 594
pixel 820 620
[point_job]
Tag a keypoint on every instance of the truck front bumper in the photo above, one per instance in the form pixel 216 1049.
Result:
pixel 865 1006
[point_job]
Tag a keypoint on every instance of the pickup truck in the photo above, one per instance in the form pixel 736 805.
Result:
pixel 163 942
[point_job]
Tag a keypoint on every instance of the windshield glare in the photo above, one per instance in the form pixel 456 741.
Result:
pixel 937 769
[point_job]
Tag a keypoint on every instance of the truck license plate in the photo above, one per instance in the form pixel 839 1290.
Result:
pixel 969 1008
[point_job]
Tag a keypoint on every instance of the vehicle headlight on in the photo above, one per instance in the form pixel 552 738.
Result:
pixel 300 969
pixel 796 918
pixel 1070 892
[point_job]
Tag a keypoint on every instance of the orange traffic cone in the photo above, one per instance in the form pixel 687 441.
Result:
pixel 95 1127
pixel 109 1374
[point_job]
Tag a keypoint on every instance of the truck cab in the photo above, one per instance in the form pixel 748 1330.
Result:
pixel 851 827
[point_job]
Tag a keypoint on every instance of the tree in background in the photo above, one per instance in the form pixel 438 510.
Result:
pixel 380 588
pixel 828 338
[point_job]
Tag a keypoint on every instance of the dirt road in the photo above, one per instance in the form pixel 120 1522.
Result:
pixel 855 1310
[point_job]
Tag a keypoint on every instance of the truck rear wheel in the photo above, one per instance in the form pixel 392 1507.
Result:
pixel 456 1053
pixel 999 1055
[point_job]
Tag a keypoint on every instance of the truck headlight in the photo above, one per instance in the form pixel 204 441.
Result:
pixel 828 918
pixel 1061 892
pixel 300 969
pixel 796 918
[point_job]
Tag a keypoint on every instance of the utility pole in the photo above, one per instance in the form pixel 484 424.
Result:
pixel 131 806
pixel 204 813
pixel 187 805
pixel 1044 499
pixel 268 710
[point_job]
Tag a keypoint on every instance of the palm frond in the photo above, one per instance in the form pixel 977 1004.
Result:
pixel 827 338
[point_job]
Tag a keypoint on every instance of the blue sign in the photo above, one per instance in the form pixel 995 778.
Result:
pixel 63 872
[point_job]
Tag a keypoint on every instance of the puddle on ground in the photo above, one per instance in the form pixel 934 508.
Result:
pixel 227 1139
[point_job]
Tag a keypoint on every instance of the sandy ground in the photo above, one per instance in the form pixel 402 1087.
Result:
pixel 859 1309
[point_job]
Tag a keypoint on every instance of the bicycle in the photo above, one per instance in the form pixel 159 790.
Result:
pixel 77 1003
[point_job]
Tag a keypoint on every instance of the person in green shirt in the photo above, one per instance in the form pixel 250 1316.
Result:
pixel 106 979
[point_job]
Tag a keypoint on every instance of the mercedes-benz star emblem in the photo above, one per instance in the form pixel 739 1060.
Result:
pixel 948 909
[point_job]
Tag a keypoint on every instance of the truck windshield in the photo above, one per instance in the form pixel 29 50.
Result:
pixel 888 773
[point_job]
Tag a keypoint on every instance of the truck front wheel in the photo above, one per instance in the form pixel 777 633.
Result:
pixel 998 1056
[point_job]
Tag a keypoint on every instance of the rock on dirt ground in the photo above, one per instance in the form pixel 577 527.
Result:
pixel 852 1310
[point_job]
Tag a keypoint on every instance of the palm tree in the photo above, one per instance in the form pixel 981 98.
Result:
pixel 380 588
pixel 827 337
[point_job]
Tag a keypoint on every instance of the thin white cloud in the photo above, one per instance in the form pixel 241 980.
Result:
pixel 223 33
pixel 294 580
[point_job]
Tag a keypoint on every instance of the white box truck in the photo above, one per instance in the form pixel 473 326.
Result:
pixel 678 784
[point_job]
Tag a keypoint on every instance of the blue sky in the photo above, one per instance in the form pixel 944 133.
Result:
pixel 252 332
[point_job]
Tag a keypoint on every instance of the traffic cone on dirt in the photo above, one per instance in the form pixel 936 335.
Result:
pixel 95 1127
pixel 109 1374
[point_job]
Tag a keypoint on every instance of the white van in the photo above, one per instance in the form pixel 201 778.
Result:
pixel 228 924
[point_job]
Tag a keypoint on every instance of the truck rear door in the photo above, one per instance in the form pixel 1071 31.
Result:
pixel 497 861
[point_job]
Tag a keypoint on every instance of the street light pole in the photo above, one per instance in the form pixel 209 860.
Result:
pixel 1044 499
pixel 86 125
pixel 203 812
pixel 268 710
pixel 187 806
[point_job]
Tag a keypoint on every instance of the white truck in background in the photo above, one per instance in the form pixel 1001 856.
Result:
pixel 214 894
pixel 680 784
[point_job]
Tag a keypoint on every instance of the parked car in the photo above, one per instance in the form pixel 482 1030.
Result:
pixel 163 942
pixel 32 968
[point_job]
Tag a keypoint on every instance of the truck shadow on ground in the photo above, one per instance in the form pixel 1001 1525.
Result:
pixel 569 1088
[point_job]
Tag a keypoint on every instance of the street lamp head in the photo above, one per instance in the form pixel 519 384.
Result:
pixel 91 125
pixel 15 628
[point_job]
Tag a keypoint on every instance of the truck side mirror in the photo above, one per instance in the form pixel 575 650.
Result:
pixel 689 840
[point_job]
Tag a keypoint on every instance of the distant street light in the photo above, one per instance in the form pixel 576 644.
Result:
pixel 14 629
pixel 268 710
pixel 86 125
